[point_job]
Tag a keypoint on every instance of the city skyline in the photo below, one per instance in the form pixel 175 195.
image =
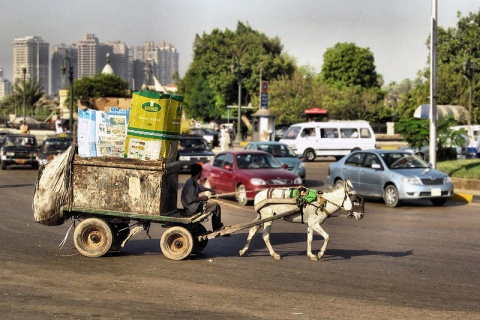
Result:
pixel 395 31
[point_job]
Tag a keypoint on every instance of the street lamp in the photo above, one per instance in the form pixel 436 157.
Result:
pixel 70 78
pixel 468 73
pixel 15 95
pixel 238 137
pixel 24 70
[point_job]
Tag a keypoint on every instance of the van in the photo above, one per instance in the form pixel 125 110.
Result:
pixel 333 138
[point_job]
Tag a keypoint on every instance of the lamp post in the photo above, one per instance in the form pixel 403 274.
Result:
pixel 24 70
pixel 70 78
pixel 468 72
pixel 238 137
pixel 15 95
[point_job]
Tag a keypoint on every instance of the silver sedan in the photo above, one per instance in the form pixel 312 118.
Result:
pixel 391 175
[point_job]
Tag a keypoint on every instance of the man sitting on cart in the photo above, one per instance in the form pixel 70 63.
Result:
pixel 193 203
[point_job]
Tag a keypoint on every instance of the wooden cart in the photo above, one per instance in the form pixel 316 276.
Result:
pixel 112 198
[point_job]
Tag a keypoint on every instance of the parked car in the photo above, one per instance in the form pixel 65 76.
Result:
pixel 20 149
pixel 193 149
pixel 208 134
pixel 393 175
pixel 282 153
pixel 52 146
pixel 243 173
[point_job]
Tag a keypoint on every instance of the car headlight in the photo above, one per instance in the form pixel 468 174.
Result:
pixel 301 165
pixel 447 179
pixel 298 180
pixel 184 158
pixel 258 182
pixel 411 180
pixel 10 154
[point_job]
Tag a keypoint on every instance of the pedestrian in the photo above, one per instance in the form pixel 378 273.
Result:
pixel 58 125
pixel 223 138
pixel 194 203
pixel 23 127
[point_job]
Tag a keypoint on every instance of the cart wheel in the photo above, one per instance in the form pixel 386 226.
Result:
pixel 198 246
pixel 93 237
pixel 176 243
pixel 120 233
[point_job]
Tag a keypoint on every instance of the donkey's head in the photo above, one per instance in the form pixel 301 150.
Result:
pixel 354 201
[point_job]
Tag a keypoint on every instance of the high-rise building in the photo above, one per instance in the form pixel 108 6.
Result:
pixel 59 53
pixel 88 56
pixel 161 59
pixel 31 53
pixel 5 86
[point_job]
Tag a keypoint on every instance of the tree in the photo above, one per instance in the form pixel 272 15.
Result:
pixel 101 85
pixel 347 65
pixel 34 98
pixel 225 58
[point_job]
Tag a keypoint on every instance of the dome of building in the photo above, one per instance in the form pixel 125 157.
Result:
pixel 108 68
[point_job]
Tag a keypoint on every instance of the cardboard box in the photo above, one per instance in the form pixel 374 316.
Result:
pixel 148 135
pixel 111 132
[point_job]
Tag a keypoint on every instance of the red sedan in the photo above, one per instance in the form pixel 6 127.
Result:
pixel 244 173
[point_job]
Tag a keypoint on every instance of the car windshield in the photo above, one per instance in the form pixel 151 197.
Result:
pixel 56 146
pixel 291 133
pixel 20 141
pixel 257 161
pixel 192 144
pixel 403 161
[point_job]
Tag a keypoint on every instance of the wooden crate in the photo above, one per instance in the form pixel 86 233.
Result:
pixel 126 185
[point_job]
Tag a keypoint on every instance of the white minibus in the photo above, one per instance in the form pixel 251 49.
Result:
pixel 333 138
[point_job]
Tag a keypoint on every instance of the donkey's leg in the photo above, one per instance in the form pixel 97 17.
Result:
pixel 266 238
pixel 318 228
pixel 251 233
pixel 309 243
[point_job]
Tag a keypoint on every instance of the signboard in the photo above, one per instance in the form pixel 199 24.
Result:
pixel 264 95
pixel 264 101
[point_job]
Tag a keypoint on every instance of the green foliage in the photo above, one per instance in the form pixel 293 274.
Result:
pixel 101 85
pixel 417 132
pixel 349 65
pixel 34 98
pixel 222 59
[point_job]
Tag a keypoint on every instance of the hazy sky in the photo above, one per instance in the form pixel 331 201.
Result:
pixel 396 31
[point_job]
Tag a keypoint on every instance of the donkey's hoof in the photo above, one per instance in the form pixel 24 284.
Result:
pixel 277 256
pixel 241 252
pixel 314 258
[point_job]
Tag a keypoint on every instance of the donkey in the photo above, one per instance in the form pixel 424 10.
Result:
pixel 313 208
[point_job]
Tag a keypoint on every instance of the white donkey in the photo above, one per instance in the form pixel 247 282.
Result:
pixel 313 208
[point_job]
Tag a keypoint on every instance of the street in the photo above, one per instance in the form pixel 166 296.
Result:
pixel 416 261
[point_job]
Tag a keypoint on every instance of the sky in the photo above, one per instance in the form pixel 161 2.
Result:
pixel 395 31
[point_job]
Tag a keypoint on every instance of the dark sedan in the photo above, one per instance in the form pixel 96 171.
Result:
pixel 208 134
pixel 393 175
pixel 53 146
pixel 193 149
pixel 244 173
pixel 19 149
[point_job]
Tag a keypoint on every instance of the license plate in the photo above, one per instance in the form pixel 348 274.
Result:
pixel 436 192
pixel 20 161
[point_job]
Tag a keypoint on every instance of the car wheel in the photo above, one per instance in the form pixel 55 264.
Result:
pixel 390 196
pixel 309 155
pixel 4 165
pixel 438 201
pixel 35 166
pixel 338 184
pixel 242 195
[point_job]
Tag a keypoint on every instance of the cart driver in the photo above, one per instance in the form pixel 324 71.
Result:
pixel 193 203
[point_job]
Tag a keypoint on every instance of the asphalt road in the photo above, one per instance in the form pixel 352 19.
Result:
pixel 416 261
